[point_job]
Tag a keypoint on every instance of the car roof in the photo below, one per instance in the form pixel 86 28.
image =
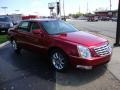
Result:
pixel 39 20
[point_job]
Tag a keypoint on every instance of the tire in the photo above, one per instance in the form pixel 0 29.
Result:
pixel 15 46
pixel 59 60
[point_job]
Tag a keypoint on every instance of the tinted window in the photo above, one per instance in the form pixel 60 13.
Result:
pixel 34 26
pixel 24 26
pixel 57 26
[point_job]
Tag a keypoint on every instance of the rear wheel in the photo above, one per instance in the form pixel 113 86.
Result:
pixel 59 60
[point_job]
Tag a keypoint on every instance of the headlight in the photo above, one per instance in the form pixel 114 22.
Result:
pixel 84 52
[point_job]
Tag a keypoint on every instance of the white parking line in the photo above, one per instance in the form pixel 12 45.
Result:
pixel 3 44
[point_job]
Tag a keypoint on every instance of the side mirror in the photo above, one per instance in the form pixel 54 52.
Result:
pixel 37 31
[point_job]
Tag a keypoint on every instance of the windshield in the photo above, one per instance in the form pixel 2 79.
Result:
pixel 4 19
pixel 57 27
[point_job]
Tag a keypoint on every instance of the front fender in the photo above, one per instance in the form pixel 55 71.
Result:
pixel 68 47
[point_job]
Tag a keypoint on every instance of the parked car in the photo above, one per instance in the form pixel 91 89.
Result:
pixel 64 44
pixel 105 18
pixel 5 24
pixel 82 18
pixel 92 18
pixel 114 19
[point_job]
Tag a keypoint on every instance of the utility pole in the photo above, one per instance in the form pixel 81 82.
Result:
pixel 87 6
pixel 79 8
pixel 60 7
pixel 117 43
pixel 4 8
pixel 64 9
pixel 110 5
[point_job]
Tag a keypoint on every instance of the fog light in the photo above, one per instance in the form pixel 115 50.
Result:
pixel 84 67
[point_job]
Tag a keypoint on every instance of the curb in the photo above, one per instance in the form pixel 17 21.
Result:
pixel 4 44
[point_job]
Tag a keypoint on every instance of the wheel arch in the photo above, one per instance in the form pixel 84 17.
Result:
pixel 57 48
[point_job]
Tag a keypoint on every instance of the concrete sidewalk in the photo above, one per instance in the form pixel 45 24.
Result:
pixel 114 64
pixel 5 43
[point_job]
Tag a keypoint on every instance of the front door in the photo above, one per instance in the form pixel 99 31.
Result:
pixel 37 41
pixel 23 30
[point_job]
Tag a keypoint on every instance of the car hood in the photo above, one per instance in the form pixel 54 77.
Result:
pixel 82 38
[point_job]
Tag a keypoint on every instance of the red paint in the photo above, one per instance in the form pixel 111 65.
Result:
pixel 42 42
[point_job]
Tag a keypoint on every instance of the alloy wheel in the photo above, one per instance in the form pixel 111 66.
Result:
pixel 58 60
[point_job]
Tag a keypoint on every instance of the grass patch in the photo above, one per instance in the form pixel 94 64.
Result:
pixel 3 38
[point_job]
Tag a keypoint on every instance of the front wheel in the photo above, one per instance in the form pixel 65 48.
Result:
pixel 59 60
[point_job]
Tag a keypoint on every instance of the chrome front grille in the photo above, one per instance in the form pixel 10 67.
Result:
pixel 103 50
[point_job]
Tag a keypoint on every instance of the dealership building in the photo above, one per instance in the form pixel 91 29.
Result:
pixel 107 13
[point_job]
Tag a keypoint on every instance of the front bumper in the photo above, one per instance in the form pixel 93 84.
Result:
pixel 89 63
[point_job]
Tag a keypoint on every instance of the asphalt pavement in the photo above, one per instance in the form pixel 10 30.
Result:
pixel 106 28
pixel 31 71
pixel 28 71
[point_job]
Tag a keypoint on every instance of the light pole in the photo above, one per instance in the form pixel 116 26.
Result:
pixel 4 8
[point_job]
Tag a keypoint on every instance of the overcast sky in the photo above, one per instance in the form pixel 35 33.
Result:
pixel 41 6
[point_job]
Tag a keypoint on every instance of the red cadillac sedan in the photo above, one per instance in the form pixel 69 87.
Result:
pixel 61 42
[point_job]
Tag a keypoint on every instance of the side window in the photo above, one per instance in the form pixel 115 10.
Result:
pixel 35 26
pixel 24 26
